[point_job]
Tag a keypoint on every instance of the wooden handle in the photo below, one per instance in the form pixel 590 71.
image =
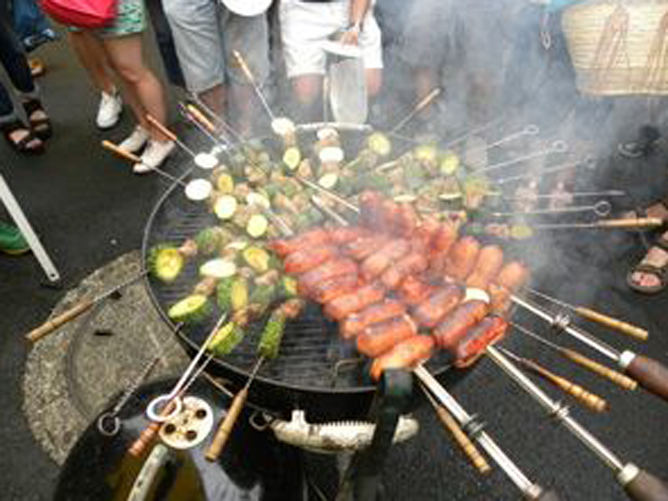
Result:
pixel 613 323
pixel 632 222
pixel 590 400
pixel 652 375
pixel 545 496
pixel 427 100
pixel 120 151
pixel 145 439
pixel 201 118
pixel 51 325
pixel 646 487
pixel 226 426
pixel 462 440
pixel 244 67
pixel 619 379
pixel 164 130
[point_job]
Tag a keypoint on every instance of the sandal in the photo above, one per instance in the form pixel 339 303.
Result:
pixel 41 125
pixel 660 272
pixel 29 143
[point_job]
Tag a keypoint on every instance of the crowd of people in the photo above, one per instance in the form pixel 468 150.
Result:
pixel 510 56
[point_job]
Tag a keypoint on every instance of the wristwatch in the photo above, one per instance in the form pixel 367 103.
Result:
pixel 356 27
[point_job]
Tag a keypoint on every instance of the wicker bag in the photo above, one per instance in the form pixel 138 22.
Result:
pixel 619 46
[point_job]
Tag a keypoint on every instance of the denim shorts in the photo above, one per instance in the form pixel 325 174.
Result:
pixel 205 35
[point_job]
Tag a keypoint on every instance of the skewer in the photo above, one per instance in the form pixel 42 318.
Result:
pixel 529 130
pixel 556 147
pixel 601 208
pixel 172 137
pixel 471 132
pixel 320 205
pixel 206 127
pixel 201 104
pixel 588 399
pixel 612 375
pixel 327 192
pixel 460 437
pixel 633 222
pixel 650 374
pixel 108 145
pixel 595 316
pixel 574 194
pixel 227 425
pixel 475 429
pixel 421 105
pixel 251 79
pixel 587 162
pixel 637 483
pixel 77 310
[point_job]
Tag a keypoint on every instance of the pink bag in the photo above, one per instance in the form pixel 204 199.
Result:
pixel 81 13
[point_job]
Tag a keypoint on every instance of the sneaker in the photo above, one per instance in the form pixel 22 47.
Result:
pixel 12 241
pixel 135 141
pixel 109 111
pixel 155 154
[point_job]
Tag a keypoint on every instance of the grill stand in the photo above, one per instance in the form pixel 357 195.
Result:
pixel 361 480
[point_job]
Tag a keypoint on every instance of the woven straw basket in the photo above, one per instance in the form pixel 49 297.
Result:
pixel 619 46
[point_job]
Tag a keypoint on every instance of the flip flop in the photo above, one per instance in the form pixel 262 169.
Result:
pixel 660 272
pixel 40 126
pixel 22 145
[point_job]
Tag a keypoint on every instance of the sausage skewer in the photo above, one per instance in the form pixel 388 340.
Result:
pixel 637 483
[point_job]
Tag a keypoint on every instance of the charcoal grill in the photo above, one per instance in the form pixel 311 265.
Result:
pixel 316 370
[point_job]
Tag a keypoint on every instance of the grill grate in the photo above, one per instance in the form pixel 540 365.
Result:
pixel 311 353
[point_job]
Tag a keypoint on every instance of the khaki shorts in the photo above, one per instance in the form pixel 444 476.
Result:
pixel 305 25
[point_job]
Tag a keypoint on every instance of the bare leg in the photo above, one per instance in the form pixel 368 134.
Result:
pixel 374 81
pixel 91 55
pixel 125 55
pixel 214 98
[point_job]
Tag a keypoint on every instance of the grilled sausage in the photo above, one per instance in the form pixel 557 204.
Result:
pixel 363 247
pixel 347 304
pixel 490 330
pixel 378 262
pixel 434 309
pixel 414 291
pixel 327 290
pixel 382 337
pixel 455 326
pixel 490 261
pixel 462 259
pixel 345 234
pixel 404 355
pixel 427 230
pixel 325 271
pixel 355 324
pixel 310 238
pixel 511 278
pixel 412 263
pixel 406 220
pixel 308 258
pixel 371 209
pixel 441 244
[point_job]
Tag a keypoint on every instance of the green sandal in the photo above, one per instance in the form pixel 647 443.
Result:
pixel 12 241
pixel 660 272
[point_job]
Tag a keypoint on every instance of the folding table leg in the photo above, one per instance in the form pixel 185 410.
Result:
pixel 21 221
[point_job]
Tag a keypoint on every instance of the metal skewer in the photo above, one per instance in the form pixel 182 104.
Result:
pixel 108 145
pixel 251 79
pixel 612 375
pixel 650 374
pixel 201 104
pixel 202 124
pixel 589 162
pixel 529 130
pixel 556 147
pixel 327 192
pixel 421 105
pixel 588 399
pixel 475 429
pixel 77 310
pixel 173 137
pixel 595 316
pixel 320 205
pixel 574 194
pixel 637 483
pixel 601 208
pixel 471 132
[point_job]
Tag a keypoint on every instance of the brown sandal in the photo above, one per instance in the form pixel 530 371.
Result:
pixel 660 272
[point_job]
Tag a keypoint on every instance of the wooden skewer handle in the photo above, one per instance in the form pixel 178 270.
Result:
pixel 462 440
pixel 145 439
pixel 619 379
pixel 613 323
pixel 201 118
pixel 640 222
pixel 651 374
pixel 646 487
pixel 226 426
pixel 120 151
pixel 53 324
pixel 164 130
pixel 427 100
pixel 244 67
pixel 590 400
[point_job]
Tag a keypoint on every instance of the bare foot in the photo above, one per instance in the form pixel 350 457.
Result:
pixel 656 257
pixel 19 134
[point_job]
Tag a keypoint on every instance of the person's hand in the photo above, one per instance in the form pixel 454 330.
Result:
pixel 351 36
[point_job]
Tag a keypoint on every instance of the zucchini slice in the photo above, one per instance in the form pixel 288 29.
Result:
pixel 380 144
pixel 165 262
pixel 192 309
pixel 257 225
pixel 257 258
pixel 226 339
pixel 292 157
pixel 225 206
pixel 218 268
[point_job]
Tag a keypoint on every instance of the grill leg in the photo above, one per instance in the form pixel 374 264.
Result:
pixel 362 480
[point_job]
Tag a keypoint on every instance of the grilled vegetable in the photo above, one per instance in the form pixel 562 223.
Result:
pixel 239 294
pixel 289 286
pixel 165 262
pixel 225 206
pixel 261 298
pixel 226 339
pixel 257 258
pixel 211 239
pixel 224 293
pixel 292 157
pixel 272 335
pixel 449 163
pixel 192 309
pixel 225 183
pixel 379 143
pixel 257 225
pixel 218 268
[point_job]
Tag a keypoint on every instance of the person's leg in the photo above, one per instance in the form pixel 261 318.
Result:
pixel 91 55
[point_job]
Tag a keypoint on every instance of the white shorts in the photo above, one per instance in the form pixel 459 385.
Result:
pixel 305 25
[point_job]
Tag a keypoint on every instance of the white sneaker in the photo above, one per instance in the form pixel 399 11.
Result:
pixel 109 111
pixel 154 155
pixel 135 141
